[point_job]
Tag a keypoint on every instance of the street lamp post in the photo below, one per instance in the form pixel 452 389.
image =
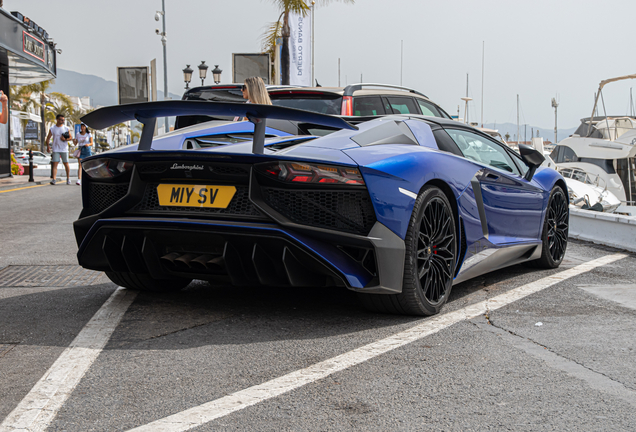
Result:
pixel 203 71
pixel 187 76
pixel 216 73
pixel 162 14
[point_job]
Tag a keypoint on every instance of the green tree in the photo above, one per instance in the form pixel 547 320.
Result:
pixel 27 98
pixel 280 28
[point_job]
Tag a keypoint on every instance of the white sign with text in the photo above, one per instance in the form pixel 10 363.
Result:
pixel 300 50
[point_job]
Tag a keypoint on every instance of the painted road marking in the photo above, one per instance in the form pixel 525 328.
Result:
pixel 36 411
pixel 22 188
pixel 595 380
pixel 215 409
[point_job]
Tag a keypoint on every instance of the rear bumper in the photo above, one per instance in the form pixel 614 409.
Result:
pixel 248 252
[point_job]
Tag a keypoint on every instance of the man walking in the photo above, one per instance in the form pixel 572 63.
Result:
pixel 61 135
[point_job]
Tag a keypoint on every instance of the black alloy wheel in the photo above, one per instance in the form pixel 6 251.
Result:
pixel 436 251
pixel 554 236
pixel 429 261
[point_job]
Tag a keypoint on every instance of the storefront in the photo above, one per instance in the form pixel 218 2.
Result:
pixel 27 56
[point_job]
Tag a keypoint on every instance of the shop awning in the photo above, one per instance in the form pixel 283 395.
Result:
pixel 23 115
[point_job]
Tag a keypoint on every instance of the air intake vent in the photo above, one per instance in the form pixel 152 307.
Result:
pixel 343 210
pixel 104 195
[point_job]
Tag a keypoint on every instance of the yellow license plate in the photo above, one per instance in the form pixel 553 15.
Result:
pixel 195 195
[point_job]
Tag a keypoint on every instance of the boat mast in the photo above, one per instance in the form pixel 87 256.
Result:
pixel 555 105
pixel 518 120
pixel 483 47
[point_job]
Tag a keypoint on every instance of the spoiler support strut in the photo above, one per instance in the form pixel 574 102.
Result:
pixel 258 143
pixel 145 142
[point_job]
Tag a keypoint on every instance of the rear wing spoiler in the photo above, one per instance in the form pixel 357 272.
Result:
pixel 148 112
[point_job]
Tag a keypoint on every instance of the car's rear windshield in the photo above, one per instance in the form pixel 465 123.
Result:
pixel 231 94
pixel 324 103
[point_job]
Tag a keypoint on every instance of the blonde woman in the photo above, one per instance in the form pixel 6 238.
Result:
pixel 255 92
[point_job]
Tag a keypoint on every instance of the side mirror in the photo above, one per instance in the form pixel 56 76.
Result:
pixel 532 157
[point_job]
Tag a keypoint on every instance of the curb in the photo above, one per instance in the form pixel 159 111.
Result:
pixel 604 228
pixel 26 184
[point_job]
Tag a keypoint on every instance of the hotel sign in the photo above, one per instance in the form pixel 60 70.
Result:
pixel 33 46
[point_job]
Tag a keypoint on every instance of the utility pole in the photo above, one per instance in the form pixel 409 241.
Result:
pixel 555 105
pixel 162 13
pixel 165 64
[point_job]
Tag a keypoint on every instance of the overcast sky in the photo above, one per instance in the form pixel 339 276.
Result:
pixel 538 49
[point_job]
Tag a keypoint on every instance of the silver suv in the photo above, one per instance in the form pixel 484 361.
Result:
pixel 366 99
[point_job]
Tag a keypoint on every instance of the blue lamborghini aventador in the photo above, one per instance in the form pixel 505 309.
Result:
pixel 398 208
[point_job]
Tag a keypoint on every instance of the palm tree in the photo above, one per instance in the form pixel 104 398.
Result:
pixel 281 28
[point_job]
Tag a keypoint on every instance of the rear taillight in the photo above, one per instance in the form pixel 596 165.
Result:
pixel 347 106
pixel 295 172
pixel 106 168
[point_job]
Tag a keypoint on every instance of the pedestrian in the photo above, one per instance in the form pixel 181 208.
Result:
pixel 4 114
pixel 4 118
pixel 84 141
pixel 61 135
pixel 255 92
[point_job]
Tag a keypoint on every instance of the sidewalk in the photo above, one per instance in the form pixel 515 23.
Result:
pixel 41 175
pixel 23 181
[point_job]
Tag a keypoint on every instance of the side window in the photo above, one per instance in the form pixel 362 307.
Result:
pixel 568 155
pixel 428 109
pixel 445 142
pixel 555 155
pixel 520 163
pixel 481 149
pixel 402 105
pixel 368 106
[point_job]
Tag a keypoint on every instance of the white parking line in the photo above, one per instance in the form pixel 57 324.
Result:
pixel 215 409
pixel 36 411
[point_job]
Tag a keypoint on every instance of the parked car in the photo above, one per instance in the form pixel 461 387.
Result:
pixel 352 100
pixel 397 208
pixel 39 158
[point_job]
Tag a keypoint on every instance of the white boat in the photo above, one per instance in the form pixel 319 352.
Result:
pixel 589 193
pixel 604 149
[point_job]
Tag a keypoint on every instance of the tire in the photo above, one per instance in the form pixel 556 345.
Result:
pixel 428 274
pixel 554 235
pixel 143 282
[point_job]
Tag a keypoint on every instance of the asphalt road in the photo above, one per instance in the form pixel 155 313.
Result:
pixel 562 358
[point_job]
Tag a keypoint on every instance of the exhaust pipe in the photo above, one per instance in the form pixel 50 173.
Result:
pixel 169 258
pixel 216 263
pixel 200 261
pixel 183 262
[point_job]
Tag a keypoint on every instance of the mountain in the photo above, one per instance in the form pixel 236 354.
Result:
pixel 101 91
pixel 547 134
